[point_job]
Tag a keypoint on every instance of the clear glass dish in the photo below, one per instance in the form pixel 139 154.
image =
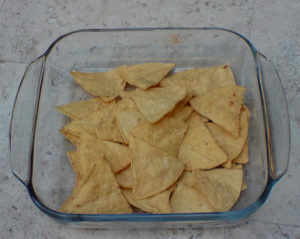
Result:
pixel 38 151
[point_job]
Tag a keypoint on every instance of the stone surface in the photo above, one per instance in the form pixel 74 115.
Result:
pixel 27 27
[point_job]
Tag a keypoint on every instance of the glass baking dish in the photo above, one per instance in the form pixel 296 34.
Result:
pixel 38 151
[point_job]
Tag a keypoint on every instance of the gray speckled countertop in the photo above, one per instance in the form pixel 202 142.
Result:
pixel 27 27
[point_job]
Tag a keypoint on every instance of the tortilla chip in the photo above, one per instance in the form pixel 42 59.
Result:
pixel 222 106
pixel 81 109
pixel 221 186
pixel 145 75
pixel 198 149
pixel 106 85
pixel 71 136
pixel 153 170
pixel 117 155
pixel 182 111
pixel 243 157
pixel 231 145
pixel 99 193
pixel 88 153
pixel 227 164
pixel 124 178
pixel 236 166
pixel 200 80
pixel 159 203
pixel 157 102
pixel 186 199
pixel 167 134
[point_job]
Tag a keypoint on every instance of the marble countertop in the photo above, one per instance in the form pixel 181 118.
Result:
pixel 27 27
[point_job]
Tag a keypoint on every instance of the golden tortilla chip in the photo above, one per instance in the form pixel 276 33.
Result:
pixel 106 85
pixel 88 153
pixel 71 136
pixel 159 203
pixel 231 145
pixel 243 157
pixel 101 123
pixel 117 155
pixel 99 193
pixel 167 134
pixel 81 109
pixel 221 186
pixel 182 111
pixel 200 80
pixel 145 75
pixel 157 102
pixel 126 121
pixel 198 149
pixel 153 170
pixel 227 164
pixel 222 106
pixel 186 199
pixel 124 178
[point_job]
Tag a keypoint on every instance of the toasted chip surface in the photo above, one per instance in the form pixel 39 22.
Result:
pixel 153 170
pixel 200 80
pixel 81 109
pixel 186 199
pixel 243 157
pixel 222 106
pixel 117 155
pixel 72 137
pixel 126 121
pixel 167 134
pixel 198 149
pixel 106 85
pixel 157 102
pixel 220 186
pixel 124 178
pixel 99 193
pixel 230 144
pixel 145 75
pixel 159 203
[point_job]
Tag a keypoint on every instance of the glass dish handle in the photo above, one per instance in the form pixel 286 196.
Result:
pixel 23 118
pixel 277 118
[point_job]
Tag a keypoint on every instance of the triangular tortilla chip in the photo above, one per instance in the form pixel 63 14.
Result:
pixel 88 153
pixel 126 121
pixel 166 134
pixel 157 102
pixel 153 170
pixel 159 203
pixel 186 199
pixel 222 106
pixel 101 123
pixel 243 157
pixel 71 136
pixel 200 80
pixel 81 109
pixel 182 110
pixel 106 85
pixel 221 187
pixel 231 145
pixel 117 155
pixel 99 194
pixel 198 149
pixel 124 178
pixel 145 75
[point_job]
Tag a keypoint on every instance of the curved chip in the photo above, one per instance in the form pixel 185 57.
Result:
pixel 124 178
pixel 145 75
pixel 222 106
pixel 153 170
pixel 199 149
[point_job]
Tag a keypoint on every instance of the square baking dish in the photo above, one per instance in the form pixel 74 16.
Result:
pixel 38 151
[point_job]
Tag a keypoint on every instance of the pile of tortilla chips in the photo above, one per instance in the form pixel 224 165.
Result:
pixel 159 141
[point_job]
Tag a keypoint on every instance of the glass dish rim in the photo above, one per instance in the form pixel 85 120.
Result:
pixel 173 217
